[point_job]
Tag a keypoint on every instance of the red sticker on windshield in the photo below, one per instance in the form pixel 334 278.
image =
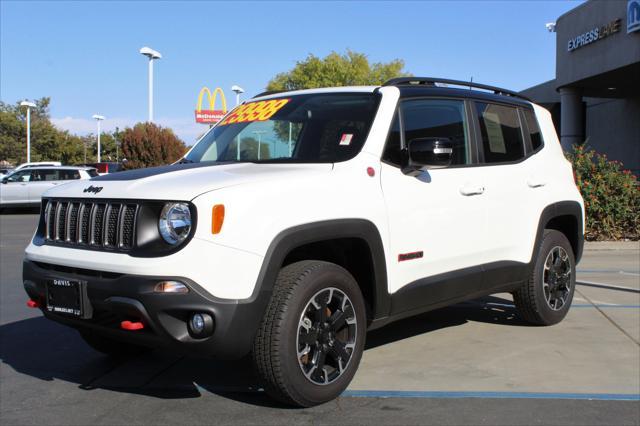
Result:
pixel 254 111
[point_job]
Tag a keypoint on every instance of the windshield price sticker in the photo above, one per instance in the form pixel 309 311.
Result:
pixel 254 111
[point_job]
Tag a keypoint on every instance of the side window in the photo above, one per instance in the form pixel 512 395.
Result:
pixel 534 130
pixel 21 176
pixel 501 133
pixel 435 118
pixel 44 175
pixel 68 174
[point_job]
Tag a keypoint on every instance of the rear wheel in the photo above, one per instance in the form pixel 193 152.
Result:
pixel 310 342
pixel 111 347
pixel 546 297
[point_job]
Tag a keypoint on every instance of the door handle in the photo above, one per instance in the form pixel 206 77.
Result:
pixel 468 190
pixel 535 183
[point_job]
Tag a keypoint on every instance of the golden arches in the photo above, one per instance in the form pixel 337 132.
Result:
pixel 212 99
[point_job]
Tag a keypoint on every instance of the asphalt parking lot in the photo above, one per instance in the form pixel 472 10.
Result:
pixel 473 363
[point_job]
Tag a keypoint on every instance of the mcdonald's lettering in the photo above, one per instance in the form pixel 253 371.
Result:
pixel 211 115
pixel 254 111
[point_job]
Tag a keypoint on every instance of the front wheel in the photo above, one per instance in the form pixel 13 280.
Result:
pixel 310 342
pixel 546 297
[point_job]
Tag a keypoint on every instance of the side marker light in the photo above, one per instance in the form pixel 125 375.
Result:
pixel 217 218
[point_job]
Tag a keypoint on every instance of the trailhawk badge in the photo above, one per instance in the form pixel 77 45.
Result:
pixel 93 189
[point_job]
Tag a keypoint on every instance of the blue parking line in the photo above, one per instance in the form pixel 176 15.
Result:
pixel 604 305
pixel 606 271
pixel 490 395
pixel 574 305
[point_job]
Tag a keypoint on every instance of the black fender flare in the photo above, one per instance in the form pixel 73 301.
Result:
pixel 294 237
pixel 562 208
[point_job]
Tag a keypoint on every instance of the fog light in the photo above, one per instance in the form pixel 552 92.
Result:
pixel 200 325
pixel 171 287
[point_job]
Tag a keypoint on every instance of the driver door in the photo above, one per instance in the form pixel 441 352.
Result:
pixel 437 219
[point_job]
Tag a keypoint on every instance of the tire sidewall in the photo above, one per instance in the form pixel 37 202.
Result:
pixel 326 276
pixel 551 240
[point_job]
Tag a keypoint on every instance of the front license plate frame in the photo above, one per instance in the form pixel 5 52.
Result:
pixel 68 297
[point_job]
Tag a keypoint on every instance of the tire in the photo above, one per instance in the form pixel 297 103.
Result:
pixel 111 347
pixel 547 304
pixel 287 331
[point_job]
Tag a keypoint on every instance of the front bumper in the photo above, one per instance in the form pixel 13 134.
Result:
pixel 119 297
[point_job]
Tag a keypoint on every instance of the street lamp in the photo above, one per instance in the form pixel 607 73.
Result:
pixel 237 90
pixel 29 105
pixel 98 118
pixel 151 54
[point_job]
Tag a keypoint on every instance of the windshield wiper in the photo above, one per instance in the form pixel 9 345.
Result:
pixel 185 161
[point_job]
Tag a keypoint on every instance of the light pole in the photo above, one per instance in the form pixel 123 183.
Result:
pixel 98 118
pixel 115 137
pixel 238 90
pixel 29 105
pixel 151 54
pixel 259 133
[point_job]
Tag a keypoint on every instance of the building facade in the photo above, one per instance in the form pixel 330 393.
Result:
pixel 595 97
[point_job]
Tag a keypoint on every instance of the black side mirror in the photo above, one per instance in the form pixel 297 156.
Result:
pixel 428 153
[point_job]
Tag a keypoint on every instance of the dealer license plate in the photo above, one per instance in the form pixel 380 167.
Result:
pixel 66 297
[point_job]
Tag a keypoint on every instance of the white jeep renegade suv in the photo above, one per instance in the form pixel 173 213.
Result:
pixel 304 219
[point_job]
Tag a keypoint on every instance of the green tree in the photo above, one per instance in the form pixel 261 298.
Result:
pixel 148 145
pixel 47 142
pixel 349 69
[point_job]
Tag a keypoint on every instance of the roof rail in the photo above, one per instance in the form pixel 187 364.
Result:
pixel 431 81
pixel 267 93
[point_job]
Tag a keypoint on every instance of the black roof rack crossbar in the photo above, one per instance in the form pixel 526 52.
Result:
pixel 431 81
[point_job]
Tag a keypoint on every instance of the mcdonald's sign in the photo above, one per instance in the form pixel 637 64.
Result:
pixel 211 115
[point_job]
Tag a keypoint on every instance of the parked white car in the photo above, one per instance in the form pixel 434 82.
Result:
pixel 25 187
pixel 303 219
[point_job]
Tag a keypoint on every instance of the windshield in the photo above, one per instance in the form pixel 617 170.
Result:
pixel 320 128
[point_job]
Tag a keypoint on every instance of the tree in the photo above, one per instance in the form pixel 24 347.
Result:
pixel 148 145
pixel 350 69
pixel 47 142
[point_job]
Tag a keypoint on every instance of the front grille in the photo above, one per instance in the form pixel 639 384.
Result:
pixel 109 225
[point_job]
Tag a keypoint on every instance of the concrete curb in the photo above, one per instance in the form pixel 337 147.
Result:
pixel 611 245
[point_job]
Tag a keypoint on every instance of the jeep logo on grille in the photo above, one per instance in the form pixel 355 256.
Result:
pixel 93 189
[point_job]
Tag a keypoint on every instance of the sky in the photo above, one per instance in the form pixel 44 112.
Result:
pixel 84 54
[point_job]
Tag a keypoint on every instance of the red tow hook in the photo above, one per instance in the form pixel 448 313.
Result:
pixel 130 325
pixel 32 303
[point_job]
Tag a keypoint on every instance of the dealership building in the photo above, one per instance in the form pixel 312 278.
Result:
pixel 595 97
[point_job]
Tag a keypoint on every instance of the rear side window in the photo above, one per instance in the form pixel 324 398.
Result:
pixel 534 130
pixel 44 175
pixel 501 133
pixel 68 174
pixel 93 172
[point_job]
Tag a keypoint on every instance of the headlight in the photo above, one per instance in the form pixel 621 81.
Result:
pixel 175 222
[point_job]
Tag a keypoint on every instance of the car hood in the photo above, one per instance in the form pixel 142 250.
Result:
pixel 180 181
